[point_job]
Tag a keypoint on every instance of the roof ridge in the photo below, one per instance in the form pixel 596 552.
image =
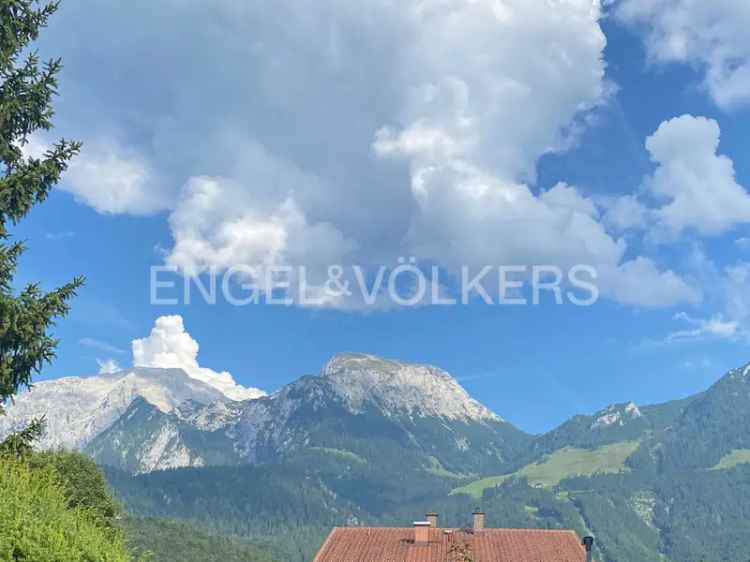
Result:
pixel 408 528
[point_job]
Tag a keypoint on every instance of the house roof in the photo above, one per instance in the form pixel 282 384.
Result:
pixel 382 544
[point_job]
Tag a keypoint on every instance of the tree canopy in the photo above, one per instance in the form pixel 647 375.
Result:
pixel 27 88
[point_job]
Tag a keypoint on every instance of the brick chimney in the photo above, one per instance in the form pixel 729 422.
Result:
pixel 421 532
pixel 478 519
pixel 432 519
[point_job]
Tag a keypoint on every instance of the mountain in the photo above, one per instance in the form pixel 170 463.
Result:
pixel 77 409
pixel 359 404
pixel 145 438
pixel 144 420
pixel 665 482
pixel 378 442
pixel 714 425
pixel 615 423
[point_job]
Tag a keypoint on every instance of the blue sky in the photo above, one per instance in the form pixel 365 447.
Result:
pixel 227 133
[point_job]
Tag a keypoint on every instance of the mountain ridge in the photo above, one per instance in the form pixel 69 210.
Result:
pixel 171 420
pixel 354 445
pixel 77 409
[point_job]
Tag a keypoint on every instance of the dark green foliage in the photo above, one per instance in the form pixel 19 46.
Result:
pixel 83 481
pixel 282 504
pixel 38 525
pixel 173 541
pixel 711 426
pixel 26 91
pixel 706 515
pixel 18 445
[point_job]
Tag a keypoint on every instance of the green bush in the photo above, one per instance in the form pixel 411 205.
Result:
pixel 82 480
pixel 37 524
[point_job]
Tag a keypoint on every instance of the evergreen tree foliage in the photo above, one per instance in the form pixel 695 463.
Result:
pixel 173 541
pixel 82 481
pixel 27 88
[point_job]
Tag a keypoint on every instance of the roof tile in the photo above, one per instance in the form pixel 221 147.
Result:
pixel 389 544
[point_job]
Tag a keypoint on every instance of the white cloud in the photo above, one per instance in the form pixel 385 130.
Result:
pixel 170 346
pixel 640 282
pixel 709 33
pixel 469 217
pixel 112 179
pixel 692 189
pixel 698 183
pixel 107 366
pixel 624 213
pixel 218 224
pixel 715 327
pixel 107 177
pixel 355 134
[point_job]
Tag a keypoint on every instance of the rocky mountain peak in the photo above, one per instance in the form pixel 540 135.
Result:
pixel 398 388
pixel 79 408
pixel 616 414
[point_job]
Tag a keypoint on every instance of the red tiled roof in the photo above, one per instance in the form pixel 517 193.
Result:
pixel 379 544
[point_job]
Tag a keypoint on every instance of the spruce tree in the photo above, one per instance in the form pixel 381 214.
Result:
pixel 27 88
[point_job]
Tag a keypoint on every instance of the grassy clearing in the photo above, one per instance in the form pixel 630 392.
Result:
pixel 730 460
pixel 341 453
pixel 559 465
pixel 438 469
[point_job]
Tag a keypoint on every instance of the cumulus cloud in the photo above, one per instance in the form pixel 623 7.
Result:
pixel 711 34
pixel 170 346
pixel 624 213
pixel 107 366
pixel 698 184
pixel 640 282
pixel 107 177
pixel 218 224
pixel 112 179
pixel 693 188
pixel 346 134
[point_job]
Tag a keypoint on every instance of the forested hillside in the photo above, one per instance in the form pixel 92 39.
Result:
pixel 617 474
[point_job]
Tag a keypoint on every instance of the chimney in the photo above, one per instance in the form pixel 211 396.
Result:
pixel 588 544
pixel 478 519
pixel 421 532
pixel 432 519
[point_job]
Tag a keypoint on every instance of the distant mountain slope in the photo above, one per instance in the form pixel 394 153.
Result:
pixel 616 423
pixel 360 404
pixel 711 426
pixel 78 409
pixel 172 541
pixel 145 439
pixel 143 420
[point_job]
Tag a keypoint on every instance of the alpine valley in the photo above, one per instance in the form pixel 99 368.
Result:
pixel 376 441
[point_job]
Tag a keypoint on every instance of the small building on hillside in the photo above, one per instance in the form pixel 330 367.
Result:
pixel 426 541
